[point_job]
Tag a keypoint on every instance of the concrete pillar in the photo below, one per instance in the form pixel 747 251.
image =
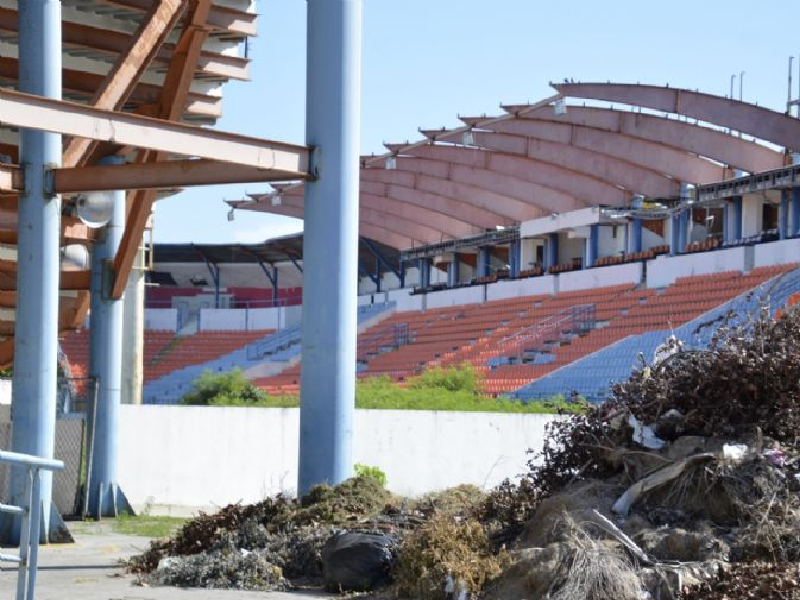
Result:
pixel 330 246
pixel 726 217
pixel 515 258
pixel 551 250
pixel 795 211
pixel 105 365
pixel 424 268
pixel 783 216
pixel 33 409
pixel 636 237
pixel 133 334
pixel 454 270
pixel 626 238
pixel 683 218
pixel 592 246
pixel 736 228
pixel 275 286
pixel 484 261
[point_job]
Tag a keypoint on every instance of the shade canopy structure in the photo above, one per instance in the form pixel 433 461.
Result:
pixel 553 156
pixel 135 63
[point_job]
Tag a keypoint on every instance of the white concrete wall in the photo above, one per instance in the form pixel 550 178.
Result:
pixel 5 391
pixel 161 319
pixel 206 457
pixel 404 300
pixel 630 273
pixel 528 253
pixel 470 295
pixel 664 270
pixel 531 286
pixel 570 247
pixel 607 244
pixel 752 215
pixel 244 319
pixel 651 240
pixel 777 253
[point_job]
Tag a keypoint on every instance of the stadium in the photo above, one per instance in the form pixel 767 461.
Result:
pixel 560 253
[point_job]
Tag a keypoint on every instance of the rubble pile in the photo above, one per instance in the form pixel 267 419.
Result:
pixel 684 486
pixel 692 473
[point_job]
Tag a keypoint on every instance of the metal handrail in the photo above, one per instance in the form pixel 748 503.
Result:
pixel 30 512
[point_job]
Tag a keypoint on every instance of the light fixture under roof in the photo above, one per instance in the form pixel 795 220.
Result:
pixel 95 208
pixel 276 200
pixel 468 138
pixel 391 163
pixel 560 106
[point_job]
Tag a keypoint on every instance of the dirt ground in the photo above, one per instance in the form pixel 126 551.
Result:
pixel 89 569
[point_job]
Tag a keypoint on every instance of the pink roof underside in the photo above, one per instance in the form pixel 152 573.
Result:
pixel 757 121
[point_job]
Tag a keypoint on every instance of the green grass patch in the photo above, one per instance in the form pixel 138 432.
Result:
pixel 452 389
pixel 146 526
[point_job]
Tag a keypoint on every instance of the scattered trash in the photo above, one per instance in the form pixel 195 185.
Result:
pixel 358 561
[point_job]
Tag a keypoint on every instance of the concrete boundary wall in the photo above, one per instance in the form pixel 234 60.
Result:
pixel 456 297
pixel 245 319
pixel 600 277
pixel 777 253
pixel 664 270
pixel 161 319
pixel 531 286
pixel 180 459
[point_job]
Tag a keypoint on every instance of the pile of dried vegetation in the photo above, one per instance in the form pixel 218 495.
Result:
pixel 685 485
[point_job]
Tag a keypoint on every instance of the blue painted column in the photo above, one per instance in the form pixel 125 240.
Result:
pixel 626 238
pixel 674 243
pixel 33 409
pixel 424 268
pixel 683 219
pixel 330 243
pixel 105 364
pixel 484 261
pixel 726 217
pixel 592 246
pixel 553 250
pixel 454 270
pixel 795 211
pixel 783 216
pixel 636 241
pixel 515 258
pixel 737 218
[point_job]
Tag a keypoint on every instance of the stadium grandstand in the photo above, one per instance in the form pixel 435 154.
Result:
pixel 552 248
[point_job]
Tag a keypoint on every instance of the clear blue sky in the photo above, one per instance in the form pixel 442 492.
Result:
pixel 426 61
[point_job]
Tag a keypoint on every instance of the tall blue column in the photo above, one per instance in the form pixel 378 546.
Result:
pixel 737 218
pixel 424 268
pixel 783 217
pixel 626 238
pixel 592 246
pixel 674 243
pixel 454 270
pixel 795 211
pixel 274 282
pixel 553 250
pixel 636 241
pixel 484 261
pixel 683 219
pixel 33 410
pixel 330 243
pixel 515 258
pixel 105 364
pixel 726 228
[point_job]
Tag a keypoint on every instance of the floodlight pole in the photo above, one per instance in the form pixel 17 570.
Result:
pixel 330 243
pixel 105 364
pixel 36 332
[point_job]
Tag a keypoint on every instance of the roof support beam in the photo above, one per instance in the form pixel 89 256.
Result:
pixel 757 121
pixel 586 189
pixel 161 175
pixel 688 137
pixel 170 108
pixel 379 256
pixel 612 170
pixel 650 158
pixel 126 72
pixel 35 112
